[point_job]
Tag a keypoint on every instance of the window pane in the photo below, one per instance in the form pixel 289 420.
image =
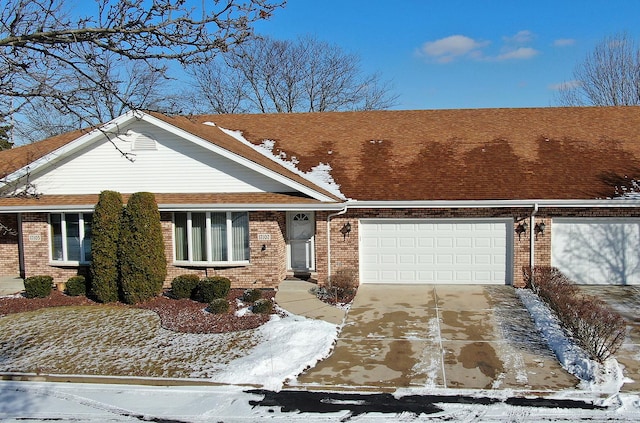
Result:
pixel 86 242
pixel 56 237
pixel 219 236
pixel 199 236
pixel 180 220
pixel 240 232
pixel 73 236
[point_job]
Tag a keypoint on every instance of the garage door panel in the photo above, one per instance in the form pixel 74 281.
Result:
pixel 435 252
pixel 597 251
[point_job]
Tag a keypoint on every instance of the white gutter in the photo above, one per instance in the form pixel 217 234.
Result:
pixel 185 207
pixel 466 204
pixel 343 211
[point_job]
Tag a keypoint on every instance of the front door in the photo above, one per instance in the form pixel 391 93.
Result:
pixel 301 230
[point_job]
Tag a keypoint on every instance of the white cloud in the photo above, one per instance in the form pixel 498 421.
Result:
pixel 566 85
pixel 564 42
pixel 520 53
pixel 521 37
pixel 449 48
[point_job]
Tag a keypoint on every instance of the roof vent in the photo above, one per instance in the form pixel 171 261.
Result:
pixel 144 142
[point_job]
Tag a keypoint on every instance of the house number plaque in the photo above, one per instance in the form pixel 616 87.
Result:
pixel 264 237
pixel 35 238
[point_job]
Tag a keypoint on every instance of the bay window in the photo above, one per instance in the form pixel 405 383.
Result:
pixel 211 237
pixel 70 236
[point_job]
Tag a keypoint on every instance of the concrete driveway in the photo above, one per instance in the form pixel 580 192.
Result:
pixel 439 336
pixel 626 301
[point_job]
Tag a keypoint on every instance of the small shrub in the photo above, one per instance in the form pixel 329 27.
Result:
pixel 38 286
pixel 219 306
pixel 209 289
pixel 343 283
pixel 75 286
pixel 596 328
pixel 184 286
pixel 262 306
pixel 251 295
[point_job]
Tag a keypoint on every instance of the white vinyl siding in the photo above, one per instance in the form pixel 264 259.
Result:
pixel 211 238
pixel 175 165
pixel 597 251
pixel 70 238
pixel 446 251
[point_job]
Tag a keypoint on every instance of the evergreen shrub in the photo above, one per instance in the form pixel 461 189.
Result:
pixel 105 233
pixel 75 286
pixel 211 288
pixel 219 306
pixel 251 295
pixel 262 306
pixel 143 265
pixel 38 286
pixel 184 286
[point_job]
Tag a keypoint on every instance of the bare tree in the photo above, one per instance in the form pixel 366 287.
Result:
pixel 266 75
pixel 123 84
pixel 46 48
pixel 608 76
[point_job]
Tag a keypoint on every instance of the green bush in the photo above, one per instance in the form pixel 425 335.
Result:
pixel 38 286
pixel 251 295
pixel 143 265
pixel 211 288
pixel 218 306
pixel 262 306
pixel 75 286
pixel 184 286
pixel 105 233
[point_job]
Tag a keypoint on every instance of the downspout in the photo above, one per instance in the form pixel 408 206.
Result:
pixel 532 258
pixel 20 247
pixel 343 211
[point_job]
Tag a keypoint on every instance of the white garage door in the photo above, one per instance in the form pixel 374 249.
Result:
pixel 597 251
pixel 445 251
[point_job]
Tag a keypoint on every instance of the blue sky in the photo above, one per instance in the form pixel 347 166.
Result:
pixel 462 54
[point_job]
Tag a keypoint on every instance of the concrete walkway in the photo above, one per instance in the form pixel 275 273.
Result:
pixel 10 285
pixel 295 297
pixel 439 336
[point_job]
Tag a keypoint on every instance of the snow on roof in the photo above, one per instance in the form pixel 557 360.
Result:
pixel 319 175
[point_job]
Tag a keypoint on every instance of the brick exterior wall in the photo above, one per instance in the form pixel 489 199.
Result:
pixel 35 240
pixel 268 267
pixel 9 254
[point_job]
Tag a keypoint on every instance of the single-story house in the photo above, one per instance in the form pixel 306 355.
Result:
pixel 399 197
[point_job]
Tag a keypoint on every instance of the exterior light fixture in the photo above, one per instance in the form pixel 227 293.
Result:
pixel 345 230
pixel 520 229
pixel 539 229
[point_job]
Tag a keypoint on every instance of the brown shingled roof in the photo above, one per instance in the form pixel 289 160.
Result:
pixel 18 157
pixel 482 154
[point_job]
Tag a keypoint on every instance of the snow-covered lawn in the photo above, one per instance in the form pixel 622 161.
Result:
pixel 120 341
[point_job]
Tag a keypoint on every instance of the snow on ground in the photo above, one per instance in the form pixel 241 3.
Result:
pixel 287 345
pixel 605 378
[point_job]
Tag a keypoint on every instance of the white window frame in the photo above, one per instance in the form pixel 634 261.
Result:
pixel 63 232
pixel 209 261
